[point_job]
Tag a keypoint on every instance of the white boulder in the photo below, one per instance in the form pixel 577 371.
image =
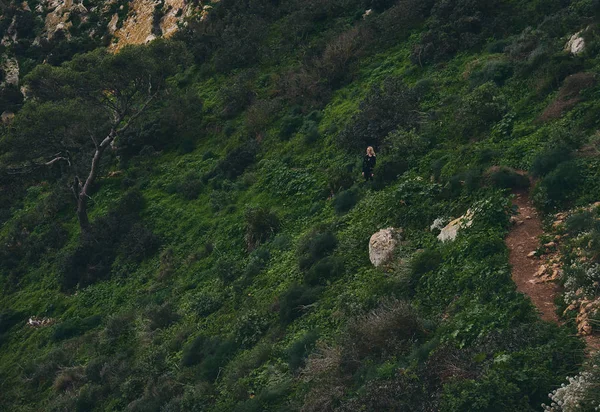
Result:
pixel 576 44
pixel 450 231
pixel 382 245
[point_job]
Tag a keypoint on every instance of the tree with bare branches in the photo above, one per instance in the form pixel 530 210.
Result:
pixel 75 113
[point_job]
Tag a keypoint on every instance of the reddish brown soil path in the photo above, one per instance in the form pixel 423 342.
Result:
pixel 523 239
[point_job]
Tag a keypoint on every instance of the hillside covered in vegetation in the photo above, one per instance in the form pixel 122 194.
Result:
pixel 184 225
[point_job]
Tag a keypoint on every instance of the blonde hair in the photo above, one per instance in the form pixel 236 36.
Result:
pixel 370 151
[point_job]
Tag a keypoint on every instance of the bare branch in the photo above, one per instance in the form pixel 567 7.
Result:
pixel 136 114
pixel 57 159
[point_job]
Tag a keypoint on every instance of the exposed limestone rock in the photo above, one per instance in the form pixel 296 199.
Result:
pixel 7 117
pixel 112 25
pixel 382 245
pixel 450 232
pixel 367 13
pixel 10 67
pixel 137 27
pixel 576 44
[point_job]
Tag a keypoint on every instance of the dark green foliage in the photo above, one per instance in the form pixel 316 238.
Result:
pixel 258 260
pixel 344 201
pixel 209 353
pixel 238 95
pixel 75 327
pixel 497 71
pixel 228 269
pixel 388 107
pixel 556 187
pixel 118 231
pixel 261 225
pixel 506 178
pixel 189 186
pixel 579 222
pixel 388 170
pixel 549 159
pixel 300 349
pixel 290 124
pixel 324 271
pixel 340 178
pixel 140 243
pixel 478 110
pixel 425 261
pixel 315 245
pixel 296 301
pixel 249 328
pixel 460 25
pixel 162 316
pixel 236 161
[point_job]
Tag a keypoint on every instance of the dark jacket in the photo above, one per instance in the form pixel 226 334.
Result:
pixel 369 164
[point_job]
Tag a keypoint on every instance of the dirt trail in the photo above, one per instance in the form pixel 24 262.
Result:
pixel 523 239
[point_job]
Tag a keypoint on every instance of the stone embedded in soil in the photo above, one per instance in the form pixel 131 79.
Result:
pixel 532 254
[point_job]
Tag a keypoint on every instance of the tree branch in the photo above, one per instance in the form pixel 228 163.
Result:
pixel 57 159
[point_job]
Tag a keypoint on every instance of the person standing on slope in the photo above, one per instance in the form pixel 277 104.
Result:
pixel 369 164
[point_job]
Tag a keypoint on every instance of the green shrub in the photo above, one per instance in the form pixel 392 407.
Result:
pixel 300 349
pixel 315 245
pixel 74 327
pixel 282 242
pixel 118 325
pixel 324 271
pixel 388 170
pixel 497 71
pixel 386 108
pixel 426 261
pixel 344 201
pixel 249 328
pixel 209 353
pixel 580 222
pixel 558 185
pixel 207 303
pixel 235 162
pixel 140 243
pixel 506 178
pixel 228 269
pixel 340 178
pixel 161 316
pixel 387 330
pixel 290 124
pixel 549 159
pixel 295 301
pixel 261 225
pixel 258 260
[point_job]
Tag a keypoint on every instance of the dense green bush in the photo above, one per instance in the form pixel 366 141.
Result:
pixel 506 178
pixel 388 107
pixel 557 186
pixel 294 302
pixel 344 201
pixel 140 243
pixel 75 327
pixel 261 225
pixel 301 348
pixel 315 245
pixel 92 258
pixel 235 162
pixel 209 353
pixel 324 271
pixel 161 316
pixel 547 160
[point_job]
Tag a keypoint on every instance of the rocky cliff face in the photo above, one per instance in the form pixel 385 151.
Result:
pixel 149 19
pixel 55 30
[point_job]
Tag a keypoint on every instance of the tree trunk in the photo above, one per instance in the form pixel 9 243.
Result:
pixel 82 197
